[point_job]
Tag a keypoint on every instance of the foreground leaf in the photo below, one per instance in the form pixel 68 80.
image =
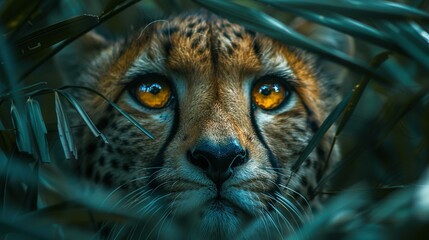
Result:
pixel 81 111
pixel 64 130
pixel 56 33
pixel 356 8
pixel 39 130
pixel 315 140
pixel 116 107
pixel 19 122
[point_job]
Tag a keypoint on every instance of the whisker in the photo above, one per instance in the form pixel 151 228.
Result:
pixel 288 224
pixel 294 191
pixel 300 195
pixel 264 218
pixel 120 186
pixel 272 221
pixel 286 207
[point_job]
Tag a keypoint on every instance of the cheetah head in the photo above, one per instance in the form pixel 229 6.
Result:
pixel 231 110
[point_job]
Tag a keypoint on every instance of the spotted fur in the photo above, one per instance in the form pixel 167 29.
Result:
pixel 212 65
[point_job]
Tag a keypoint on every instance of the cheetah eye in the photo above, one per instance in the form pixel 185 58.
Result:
pixel 152 91
pixel 269 93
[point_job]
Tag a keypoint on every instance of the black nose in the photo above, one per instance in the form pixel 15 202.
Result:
pixel 218 160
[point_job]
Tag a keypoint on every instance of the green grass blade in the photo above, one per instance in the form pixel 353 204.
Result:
pixel 380 129
pixel 64 130
pixel 55 33
pixel 358 91
pixel 7 67
pixel 66 42
pixel 19 122
pixel 263 23
pixel 410 37
pixel 355 98
pixel 39 130
pixel 116 107
pixel 345 25
pixel 29 87
pixel 84 115
pixel 110 5
pixel 358 9
pixel 315 140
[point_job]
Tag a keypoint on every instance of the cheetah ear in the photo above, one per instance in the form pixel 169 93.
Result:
pixel 73 60
pixel 331 39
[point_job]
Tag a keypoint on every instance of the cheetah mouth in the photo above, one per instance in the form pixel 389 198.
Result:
pixel 224 205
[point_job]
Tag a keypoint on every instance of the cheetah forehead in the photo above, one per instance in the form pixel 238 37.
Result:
pixel 204 44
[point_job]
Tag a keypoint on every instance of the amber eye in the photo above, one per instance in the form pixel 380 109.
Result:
pixel 269 94
pixel 153 91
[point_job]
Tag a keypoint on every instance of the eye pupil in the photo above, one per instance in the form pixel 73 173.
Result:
pixel 155 89
pixel 265 90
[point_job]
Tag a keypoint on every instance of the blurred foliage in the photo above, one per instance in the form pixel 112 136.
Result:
pixel 380 186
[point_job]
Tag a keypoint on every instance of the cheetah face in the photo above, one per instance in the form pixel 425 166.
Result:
pixel 231 110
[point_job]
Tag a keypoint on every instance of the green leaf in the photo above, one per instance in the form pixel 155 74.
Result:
pixel 355 98
pixel 7 67
pixel 315 140
pixel 112 4
pixel 410 37
pixel 39 130
pixel 346 25
pixel 69 40
pixel 357 9
pixel 116 107
pixel 263 23
pixel 15 12
pixel 76 105
pixel 19 122
pixel 358 91
pixel 56 33
pixel 29 87
pixel 64 130
pixel 381 129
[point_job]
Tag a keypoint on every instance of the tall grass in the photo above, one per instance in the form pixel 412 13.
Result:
pixel 379 189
